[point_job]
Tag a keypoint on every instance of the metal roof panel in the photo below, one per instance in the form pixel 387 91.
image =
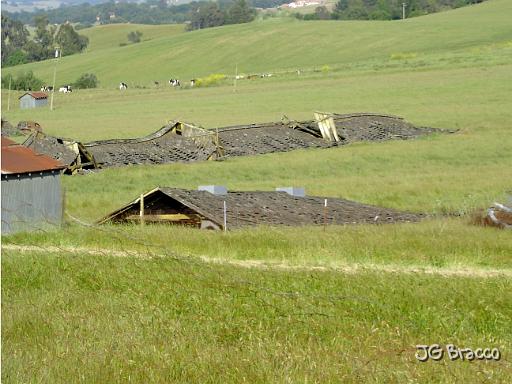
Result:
pixel 19 159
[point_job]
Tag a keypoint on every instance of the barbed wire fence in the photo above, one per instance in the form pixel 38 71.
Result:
pixel 127 243
pixel 306 305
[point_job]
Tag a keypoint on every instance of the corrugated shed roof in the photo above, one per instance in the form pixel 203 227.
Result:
pixel 36 95
pixel 19 159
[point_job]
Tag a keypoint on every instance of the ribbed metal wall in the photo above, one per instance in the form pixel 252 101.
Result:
pixel 31 202
pixel 27 102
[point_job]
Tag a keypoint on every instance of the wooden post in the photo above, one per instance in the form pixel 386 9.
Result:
pixel 141 210
pixel 57 54
pixel 9 94
pixel 225 217
pixel 325 214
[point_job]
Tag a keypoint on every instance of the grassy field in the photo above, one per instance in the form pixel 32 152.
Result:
pixel 112 35
pixel 278 44
pixel 78 312
pixel 72 318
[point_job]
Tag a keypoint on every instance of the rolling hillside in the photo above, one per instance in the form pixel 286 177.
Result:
pixel 278 44
pixel 162 304
pixel 111 35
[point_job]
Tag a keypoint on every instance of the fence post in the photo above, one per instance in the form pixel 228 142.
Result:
pixel 225 217
pixel 141 209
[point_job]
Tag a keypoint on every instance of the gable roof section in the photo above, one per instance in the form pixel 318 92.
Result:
pixel 19 159
pixel 273 208
pixel 36 95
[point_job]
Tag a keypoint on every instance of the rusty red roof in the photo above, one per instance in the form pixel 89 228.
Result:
pixel 19 159
pixel 36 95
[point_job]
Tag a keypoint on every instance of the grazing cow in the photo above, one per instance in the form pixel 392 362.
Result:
pixel 156 83
pixel 65 89
pixel 123 86
pixel 192 82
pixel 266 75
pixel 175 83
pixel 46 88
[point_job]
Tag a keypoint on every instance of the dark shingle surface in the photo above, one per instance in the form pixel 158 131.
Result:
pixel 276 208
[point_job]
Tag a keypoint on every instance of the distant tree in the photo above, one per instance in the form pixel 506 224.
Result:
pixel 322 13
pixel 240 12
pixel 69 40
pixel 87 80
pixel 205 16
pixel 135 36
pixel 44 37
pixel 14 38
pixel 36 52
pixel 25 81
pixel 341 6
pixel 357 10
pixel 16 58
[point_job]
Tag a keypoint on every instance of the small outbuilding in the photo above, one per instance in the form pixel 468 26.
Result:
pixel 33 100
pixel 31 189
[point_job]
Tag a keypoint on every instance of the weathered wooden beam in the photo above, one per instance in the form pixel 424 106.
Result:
pixel 162 217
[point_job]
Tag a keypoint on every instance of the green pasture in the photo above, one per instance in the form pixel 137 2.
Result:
pixel 96 319
pixel 112 35
pixel 72 317
pixel 277 44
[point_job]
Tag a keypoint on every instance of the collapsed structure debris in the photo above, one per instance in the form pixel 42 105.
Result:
pixel 497 215
pixel 69 152
pixel 183 142
pixel 23 128
pixel 175 142
pixel 214 207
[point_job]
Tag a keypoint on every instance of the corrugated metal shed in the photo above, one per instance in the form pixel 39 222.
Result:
pixel 31 189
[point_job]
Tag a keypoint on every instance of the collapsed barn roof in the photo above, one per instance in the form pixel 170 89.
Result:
pixel 183 142
pixel 203 209
pixel 175 142
pixel 254 139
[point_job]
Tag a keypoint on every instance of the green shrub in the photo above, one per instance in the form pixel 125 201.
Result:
pixel 16 58
pixel 326 69
pixel 135 36
pixel 87 80
pixel 24 82
pixel 403 56
pixel 210 80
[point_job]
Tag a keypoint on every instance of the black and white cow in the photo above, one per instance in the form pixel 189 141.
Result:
pixel 192 83
pixel 65 89
pixel 175 82
pixel 123 86
pixel 46 88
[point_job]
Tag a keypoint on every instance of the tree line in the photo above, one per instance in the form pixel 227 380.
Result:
pixel 19 48
pixel 214 14
pixel 382 9
pixel 149 12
